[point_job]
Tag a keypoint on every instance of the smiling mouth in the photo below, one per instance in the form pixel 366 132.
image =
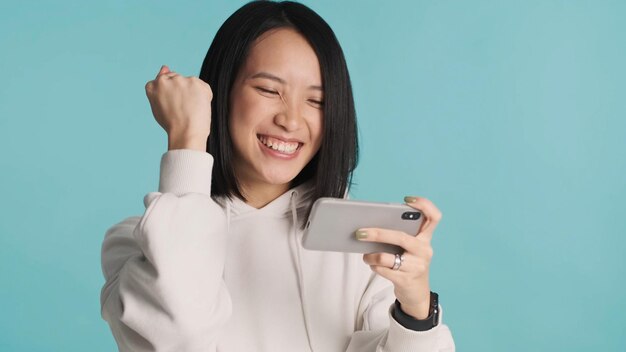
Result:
pixel 278 145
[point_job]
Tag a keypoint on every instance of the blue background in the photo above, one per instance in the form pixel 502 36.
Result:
pixel 509 115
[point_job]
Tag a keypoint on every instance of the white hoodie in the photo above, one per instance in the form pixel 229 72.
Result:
pixel 201 274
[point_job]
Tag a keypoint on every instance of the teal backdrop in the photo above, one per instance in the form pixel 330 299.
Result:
pixel 509 115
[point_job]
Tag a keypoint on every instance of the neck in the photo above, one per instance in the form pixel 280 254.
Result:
pixel 259 195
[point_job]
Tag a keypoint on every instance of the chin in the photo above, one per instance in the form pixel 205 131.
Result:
pixel 280 178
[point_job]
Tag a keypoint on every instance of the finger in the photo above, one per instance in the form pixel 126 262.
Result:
pixel 431 213
pixel 392 275
pixel 400 276
pixel 426 237
pixel 379 258
pixel 387 260
pixel 164 69
pixel 386 272
pixel 148 86
pixel 397 238
pixel 167 76
pixel 170 75
pixel 411 265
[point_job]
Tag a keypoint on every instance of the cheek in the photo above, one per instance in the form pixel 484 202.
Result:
pixel 317 129
pixel 251 108
pixel 244 113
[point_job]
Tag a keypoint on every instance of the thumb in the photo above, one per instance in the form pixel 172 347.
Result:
pixel 164 69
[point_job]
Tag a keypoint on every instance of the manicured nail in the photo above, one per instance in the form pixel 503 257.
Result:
pixel 409 199
pixel 360 234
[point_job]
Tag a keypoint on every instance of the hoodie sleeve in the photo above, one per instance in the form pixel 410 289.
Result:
pixel 380 332
pixel 164 289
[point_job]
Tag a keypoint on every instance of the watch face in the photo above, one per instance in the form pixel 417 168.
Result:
pixel 434 303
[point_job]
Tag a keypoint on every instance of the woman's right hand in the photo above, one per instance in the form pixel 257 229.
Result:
pixel 182 106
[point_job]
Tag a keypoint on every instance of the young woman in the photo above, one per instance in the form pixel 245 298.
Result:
pixel 215 263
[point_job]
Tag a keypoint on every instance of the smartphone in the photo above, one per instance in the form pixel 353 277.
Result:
pixel 333 222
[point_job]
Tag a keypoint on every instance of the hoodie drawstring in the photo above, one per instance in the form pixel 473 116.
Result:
pixel 298 256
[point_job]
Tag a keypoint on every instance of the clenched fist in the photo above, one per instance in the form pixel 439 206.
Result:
pixel 182 106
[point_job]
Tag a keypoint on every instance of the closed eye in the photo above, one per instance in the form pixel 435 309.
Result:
pixel 267 90
pixel 320 103
pixel 273 92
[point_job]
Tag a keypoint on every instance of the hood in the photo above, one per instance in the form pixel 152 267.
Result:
pixel 299 197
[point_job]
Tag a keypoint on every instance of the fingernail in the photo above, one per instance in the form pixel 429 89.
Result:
pixel 409 199
pixel 360 234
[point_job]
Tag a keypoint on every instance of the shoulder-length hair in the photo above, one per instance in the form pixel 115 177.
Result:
pixel 330 170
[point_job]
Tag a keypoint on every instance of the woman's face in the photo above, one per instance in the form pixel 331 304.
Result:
pixel 276 111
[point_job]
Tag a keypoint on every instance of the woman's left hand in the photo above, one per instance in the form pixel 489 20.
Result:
pixel 411 284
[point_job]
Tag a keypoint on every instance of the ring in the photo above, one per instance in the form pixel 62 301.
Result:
pixel 397 261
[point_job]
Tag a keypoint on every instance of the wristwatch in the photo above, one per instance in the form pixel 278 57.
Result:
pixel 410 322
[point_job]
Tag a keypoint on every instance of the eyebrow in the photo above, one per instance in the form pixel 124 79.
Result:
pixel 278 79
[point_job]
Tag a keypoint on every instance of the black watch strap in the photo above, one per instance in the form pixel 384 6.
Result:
pixel 410 322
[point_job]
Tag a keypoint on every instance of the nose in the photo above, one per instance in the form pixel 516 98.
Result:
pixel 289 117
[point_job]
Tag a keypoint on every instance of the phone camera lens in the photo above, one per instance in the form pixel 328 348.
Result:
pixel 411 215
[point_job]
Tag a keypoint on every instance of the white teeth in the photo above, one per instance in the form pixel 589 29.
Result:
pixel 283 147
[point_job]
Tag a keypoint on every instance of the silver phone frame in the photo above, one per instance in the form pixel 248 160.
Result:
pixel 332 224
